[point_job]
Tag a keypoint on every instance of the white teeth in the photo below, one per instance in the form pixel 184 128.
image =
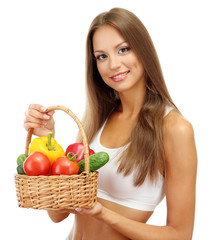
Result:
pixel 120 75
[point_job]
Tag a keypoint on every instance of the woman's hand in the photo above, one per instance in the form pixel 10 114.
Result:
pixel 41 122
pixel 94 211
pixel 59 215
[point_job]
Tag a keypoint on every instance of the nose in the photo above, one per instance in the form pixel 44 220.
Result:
pixel 114 62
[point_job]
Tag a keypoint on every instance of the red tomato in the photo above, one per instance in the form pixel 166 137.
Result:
pixel 78 148
pixel 64 166
pixel 37 163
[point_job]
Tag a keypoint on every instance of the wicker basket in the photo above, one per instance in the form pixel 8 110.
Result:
pixel 58 192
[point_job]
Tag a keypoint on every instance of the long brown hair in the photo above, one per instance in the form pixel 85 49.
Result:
pixel 145 154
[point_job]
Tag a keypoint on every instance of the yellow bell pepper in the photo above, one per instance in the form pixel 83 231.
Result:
pixel 48 146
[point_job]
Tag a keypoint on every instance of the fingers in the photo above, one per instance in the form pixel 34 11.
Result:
pixel 37 118
pixel 34 116
pixel 37 107
pixel 38 111
pixel 28 125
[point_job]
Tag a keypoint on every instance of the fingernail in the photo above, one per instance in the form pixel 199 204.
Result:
pixel 50 113
pixel 43 109
pixel 45 116
pixel 78 209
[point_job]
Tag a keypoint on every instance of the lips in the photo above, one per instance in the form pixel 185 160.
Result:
pixel 120 76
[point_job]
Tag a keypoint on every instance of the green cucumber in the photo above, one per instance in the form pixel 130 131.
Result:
pixel 97 160
pixel 20 169
pixel 21 159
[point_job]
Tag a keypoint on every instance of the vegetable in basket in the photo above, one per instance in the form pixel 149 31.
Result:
pixel 78 148
pixel 20 169
pixel 20 160
pixel 97 160
pixel 48 146
pixel 37 163
pixel 65 165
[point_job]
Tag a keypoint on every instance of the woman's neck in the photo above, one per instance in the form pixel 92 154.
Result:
pixel 131 103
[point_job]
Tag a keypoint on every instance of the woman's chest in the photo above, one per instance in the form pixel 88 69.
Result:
pixel 116 132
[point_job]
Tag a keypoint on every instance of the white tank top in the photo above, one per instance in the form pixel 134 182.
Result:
pixel 115 187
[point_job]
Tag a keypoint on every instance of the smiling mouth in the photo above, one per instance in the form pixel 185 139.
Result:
pixel 120 76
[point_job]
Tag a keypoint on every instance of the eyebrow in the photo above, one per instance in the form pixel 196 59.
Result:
pixel 119 44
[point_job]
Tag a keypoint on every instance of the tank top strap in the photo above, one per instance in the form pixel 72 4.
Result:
pixel 168 109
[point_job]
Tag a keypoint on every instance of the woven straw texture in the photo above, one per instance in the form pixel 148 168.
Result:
pixel 58 192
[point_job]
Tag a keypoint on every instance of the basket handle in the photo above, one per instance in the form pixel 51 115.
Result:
pixel 81 128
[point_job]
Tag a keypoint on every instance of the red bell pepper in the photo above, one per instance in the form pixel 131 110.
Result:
pixel 78 149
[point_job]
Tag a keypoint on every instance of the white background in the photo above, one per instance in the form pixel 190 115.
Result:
pixel 42 52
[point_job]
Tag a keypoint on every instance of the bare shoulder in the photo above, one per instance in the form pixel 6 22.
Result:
pixel 175 124
pixel 178 135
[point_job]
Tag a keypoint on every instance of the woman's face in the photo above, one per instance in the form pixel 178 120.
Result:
pixel 117 63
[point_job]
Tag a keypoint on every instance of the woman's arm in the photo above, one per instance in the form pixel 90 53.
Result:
pixel 181 165
pixel 57 216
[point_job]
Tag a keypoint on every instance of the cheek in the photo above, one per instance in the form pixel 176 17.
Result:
pixel 135 61
pixel 138 66
pixel 102 70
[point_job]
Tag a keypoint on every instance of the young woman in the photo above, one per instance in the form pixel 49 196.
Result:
pixel 132 117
